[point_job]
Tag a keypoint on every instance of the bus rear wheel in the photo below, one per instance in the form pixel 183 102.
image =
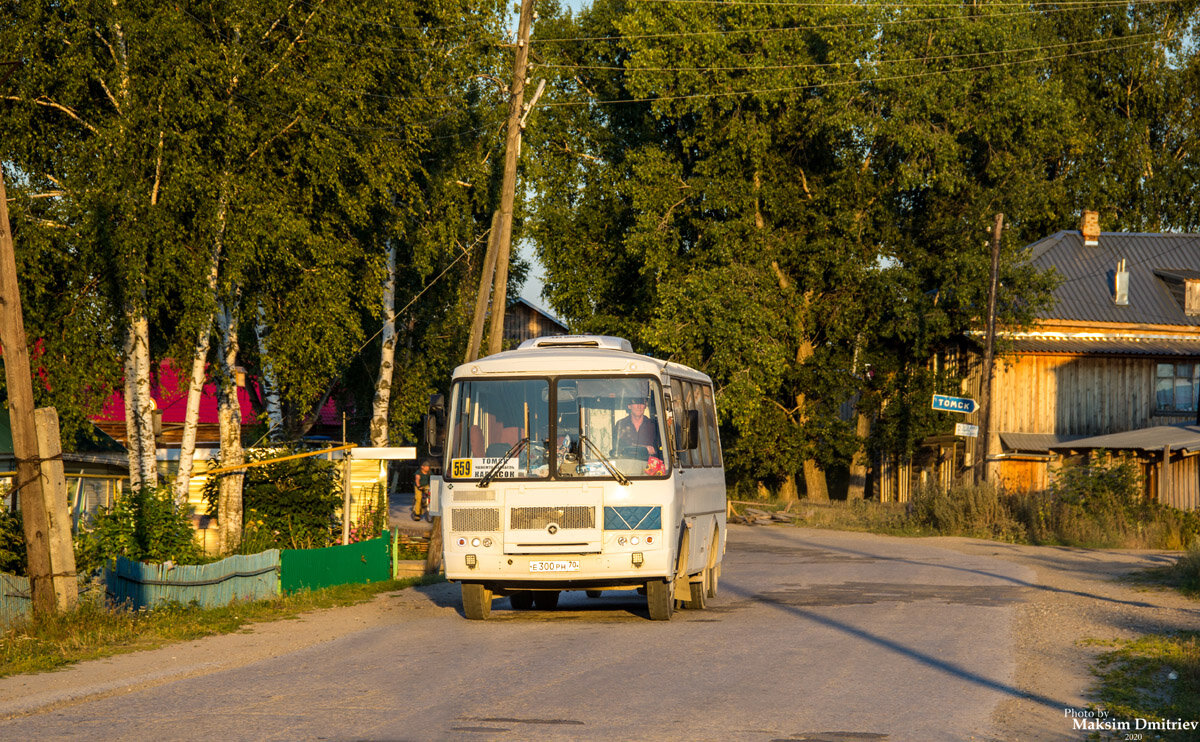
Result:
pixel 477 601
pixel 660 599
pixel 698 593
pixel 546 600
pixel 522 600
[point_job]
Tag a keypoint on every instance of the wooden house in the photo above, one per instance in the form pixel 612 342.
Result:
pixel 523 320
pixel 1114 363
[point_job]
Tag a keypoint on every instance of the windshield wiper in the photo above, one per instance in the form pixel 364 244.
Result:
pixel 516 447
pixel 624 480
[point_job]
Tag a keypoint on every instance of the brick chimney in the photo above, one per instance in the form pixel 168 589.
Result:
pixel 1090 227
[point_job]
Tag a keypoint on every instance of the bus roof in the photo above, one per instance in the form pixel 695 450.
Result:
pixel 574 354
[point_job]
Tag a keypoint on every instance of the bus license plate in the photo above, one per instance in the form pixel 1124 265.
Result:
pixel 563 566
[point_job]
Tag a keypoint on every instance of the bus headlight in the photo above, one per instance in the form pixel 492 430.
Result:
pixel 637 559
pixel 471 561
pixel 476 542
pixel 487 542
pixel 635 541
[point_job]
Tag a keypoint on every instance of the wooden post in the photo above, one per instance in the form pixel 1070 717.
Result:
pixel 989 357
pixel 54 489
pixel 1164 477
pixel 24 432
pixel 508 187
pixel 346 464
pixel 485 290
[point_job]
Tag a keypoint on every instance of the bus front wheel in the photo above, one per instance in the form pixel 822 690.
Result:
pixel 660 599
pixel 477 601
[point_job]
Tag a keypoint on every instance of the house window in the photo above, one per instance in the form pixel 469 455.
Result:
pixel 1175 387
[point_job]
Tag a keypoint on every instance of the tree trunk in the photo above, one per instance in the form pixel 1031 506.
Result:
pixel 271 400
pixel 814 478
pixel 132 440
pixel 858 465
pixel 229 491
pixel 787 491
pixel 191 420
pixel 383 385
pixel 139 403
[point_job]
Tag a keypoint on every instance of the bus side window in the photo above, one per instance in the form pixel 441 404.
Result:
pixel 710 426
pixel 677 404
pixel 695 401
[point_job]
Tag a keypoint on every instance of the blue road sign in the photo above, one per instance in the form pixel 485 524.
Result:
pixel 953 404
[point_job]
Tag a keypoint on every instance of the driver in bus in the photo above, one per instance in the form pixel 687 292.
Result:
pixel 637 430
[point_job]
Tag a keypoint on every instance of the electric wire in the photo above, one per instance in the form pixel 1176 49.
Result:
pixel 827 65
pixel 838 26
pixel 839 83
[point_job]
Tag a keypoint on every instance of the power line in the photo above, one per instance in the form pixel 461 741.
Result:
pixel 826 65
pixel 841 83
pixel 842 26
pixel 368 22
pixel 890 6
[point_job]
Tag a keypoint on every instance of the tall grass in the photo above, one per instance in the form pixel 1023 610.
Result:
pixel 1095 506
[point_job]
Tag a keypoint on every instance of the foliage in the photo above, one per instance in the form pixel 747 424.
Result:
pixel 1155 677
pixel 796 203
pixel 144 525
pixel 12 542
pixel 371 521
pixel 93 630
pixel 287 504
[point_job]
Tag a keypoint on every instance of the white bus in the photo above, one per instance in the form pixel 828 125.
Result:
pixel 572 463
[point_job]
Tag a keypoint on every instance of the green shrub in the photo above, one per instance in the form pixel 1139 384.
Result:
pixel 12 542
pixel 146 526
pixel 286 505
pixel 970 510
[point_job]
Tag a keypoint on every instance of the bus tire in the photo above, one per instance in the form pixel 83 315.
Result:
pixel 546 600
pixel 660 599
pixel 521 600
pixel 594 593
pixel 698 593
pixel 477 601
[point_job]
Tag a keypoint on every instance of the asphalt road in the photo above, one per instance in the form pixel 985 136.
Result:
pixel 816 636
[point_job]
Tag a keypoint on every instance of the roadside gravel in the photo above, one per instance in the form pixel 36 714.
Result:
pixel 1080 594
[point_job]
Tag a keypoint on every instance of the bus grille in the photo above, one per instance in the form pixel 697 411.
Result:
pixel 465 495
pixel 475 519
pixel 571 516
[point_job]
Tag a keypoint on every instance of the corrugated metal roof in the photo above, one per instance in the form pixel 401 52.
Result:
pixel 1179 437
pixel 1086 291
pixel 1034 442
pixel 1115 346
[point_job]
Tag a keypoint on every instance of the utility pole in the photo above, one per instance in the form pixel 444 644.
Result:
pixel 485 290
pixel 983 444
pixel 41 526
pixel 508 188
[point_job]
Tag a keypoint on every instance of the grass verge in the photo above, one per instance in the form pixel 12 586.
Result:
pixel 1152 683
pixel 93 630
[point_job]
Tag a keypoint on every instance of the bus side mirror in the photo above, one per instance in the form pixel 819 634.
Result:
pixel 435 425
pixel 689 437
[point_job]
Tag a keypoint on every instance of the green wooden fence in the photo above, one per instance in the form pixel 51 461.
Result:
pixel 365 561
pixel 242 577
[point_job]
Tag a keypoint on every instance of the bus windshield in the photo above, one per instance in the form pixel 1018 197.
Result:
pixel 607 425
pixel 595 428
pixel 498 419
